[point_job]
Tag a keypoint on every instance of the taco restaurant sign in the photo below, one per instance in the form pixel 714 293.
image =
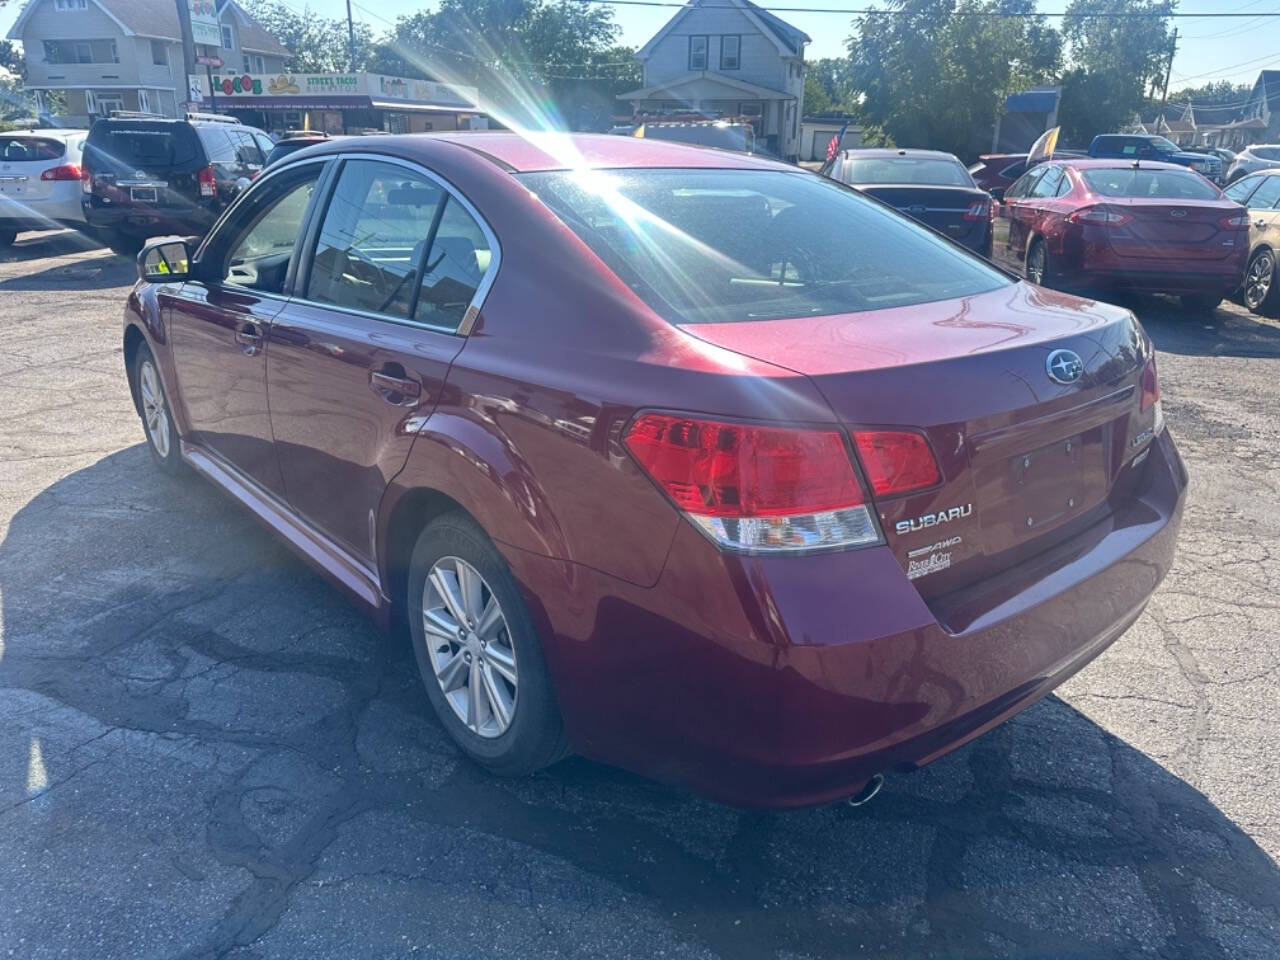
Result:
pixel 291 89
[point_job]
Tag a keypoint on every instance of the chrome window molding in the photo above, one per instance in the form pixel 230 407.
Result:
pixel 482 289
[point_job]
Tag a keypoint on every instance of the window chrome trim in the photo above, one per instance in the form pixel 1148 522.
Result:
pixel 476 304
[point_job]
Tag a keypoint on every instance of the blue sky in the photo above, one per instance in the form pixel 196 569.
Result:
pixel 1211 49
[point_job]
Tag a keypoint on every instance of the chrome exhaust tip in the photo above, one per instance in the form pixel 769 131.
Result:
pixel 868 791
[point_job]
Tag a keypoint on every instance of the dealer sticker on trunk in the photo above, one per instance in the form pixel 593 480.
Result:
pixel 926 560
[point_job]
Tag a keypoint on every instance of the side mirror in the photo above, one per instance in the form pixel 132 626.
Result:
pixel 242 184
pixel 165 260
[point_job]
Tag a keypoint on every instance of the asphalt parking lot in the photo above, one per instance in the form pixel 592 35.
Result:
pixel 205 751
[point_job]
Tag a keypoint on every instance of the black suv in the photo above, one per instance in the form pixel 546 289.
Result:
pixel 144 176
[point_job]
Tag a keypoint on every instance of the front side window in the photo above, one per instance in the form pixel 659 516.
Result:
pixel 730 47
pixel 1266 153
pixel 259 258
pixel 697 53
pixel 1024 184
pixel 716 246
pixel 1047 185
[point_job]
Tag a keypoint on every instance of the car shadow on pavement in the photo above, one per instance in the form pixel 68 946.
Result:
pixel 1228 331
pixel 206 751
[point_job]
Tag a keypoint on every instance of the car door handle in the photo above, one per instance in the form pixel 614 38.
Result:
pixel 1260 224
pixel 249 338
pixel 401 391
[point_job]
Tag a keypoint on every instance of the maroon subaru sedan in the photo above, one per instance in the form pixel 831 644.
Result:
pixel 1117 224
pixel 684 460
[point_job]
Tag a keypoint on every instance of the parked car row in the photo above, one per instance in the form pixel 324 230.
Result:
pixel 131 177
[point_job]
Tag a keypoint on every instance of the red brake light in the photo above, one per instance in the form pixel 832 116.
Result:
pixel 897 462
pixel 1099 215
pixel 208 182
pixel 756 488
pixel 66 171
pixel 979 210
pixel 1150 386
pixel 1240 222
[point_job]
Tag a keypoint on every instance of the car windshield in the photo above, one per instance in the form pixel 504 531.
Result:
pixel 143 145
pixel 1165 184
pixel 730 245
pixel 931 170
pixel 1160 143
pixel 18 149
pixel 1266 153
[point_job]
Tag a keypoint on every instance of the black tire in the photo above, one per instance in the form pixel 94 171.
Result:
pixel 1200 302
pixel 157 420
pixel 1258 292
pixel 1038 262
pixel 7 237
pixel 534 737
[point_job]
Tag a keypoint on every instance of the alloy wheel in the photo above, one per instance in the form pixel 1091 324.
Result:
pixel 1035 265
pixel 153 409
pixel 470 646
pixel 1257 282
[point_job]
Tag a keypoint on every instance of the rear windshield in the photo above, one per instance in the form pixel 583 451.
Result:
pixel 1169 184
pixel 716 246
pixel 26 149
pixel 1266 153
pixel 948 173
pixel 112 144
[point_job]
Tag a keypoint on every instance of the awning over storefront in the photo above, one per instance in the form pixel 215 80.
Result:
pixel 335 91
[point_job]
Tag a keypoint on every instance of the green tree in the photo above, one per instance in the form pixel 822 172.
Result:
pixel 11 58
pixel 828 86
pixel 935 73
pixel 318 44
pixel 1116 61
pixel 1220 93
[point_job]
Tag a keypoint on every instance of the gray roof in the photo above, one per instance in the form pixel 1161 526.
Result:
pixel 793 39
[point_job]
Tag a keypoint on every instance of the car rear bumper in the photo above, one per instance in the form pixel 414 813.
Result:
pixel 792 681
pixel 47 213
pixel 150 221
pixel 1219 277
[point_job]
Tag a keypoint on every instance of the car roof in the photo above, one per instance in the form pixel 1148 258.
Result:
pixel 1115 163
pixel 46 132
pixel 900 152
pixel 519 153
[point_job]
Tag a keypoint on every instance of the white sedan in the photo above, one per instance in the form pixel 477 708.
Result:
pixel 39 181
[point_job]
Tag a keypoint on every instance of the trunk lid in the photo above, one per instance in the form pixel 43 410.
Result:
pixel 23 158
pixel 940 207
pixel 1026 461
pixel 1169 229
pixel 144 163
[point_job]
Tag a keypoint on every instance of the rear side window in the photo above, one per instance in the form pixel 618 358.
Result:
pixel 28 149
pixel 1240 190
pixel 1047 185
pixel 394 242
pixel 113 145
pixel 1152 184
pixel 217 145
pixel 1267 196
pixel 714 246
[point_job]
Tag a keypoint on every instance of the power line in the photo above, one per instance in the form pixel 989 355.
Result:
pixel 989 14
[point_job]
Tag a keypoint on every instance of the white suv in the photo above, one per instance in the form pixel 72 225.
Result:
pixel 39 181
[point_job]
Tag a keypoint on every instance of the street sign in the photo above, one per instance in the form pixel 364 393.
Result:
pixel 209 61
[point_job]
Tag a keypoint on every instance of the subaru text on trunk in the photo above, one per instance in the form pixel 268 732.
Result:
pixel 684 460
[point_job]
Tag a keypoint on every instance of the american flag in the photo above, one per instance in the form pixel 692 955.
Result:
pixel 834 146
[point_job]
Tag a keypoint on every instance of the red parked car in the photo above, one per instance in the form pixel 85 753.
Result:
pixel 1103 225
pixel 685 460
pixel 997 172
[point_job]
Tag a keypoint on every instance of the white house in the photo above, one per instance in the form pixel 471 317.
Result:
pixel 126 54
pixel 732 58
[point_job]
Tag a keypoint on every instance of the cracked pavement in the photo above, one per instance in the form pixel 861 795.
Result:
pixel 205 751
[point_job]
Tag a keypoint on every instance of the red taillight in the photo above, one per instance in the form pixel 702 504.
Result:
pixel 897 462
pixel 86 181
pixel 979 210
pixel 1150 386
pixel 208 182
pixel 1240 222
pixel 756 488
pixel 66 171
pixel 1099 215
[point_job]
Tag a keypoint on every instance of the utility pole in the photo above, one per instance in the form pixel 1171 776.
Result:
pixel 351 40
pixel 188 48
pixel 1164 95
